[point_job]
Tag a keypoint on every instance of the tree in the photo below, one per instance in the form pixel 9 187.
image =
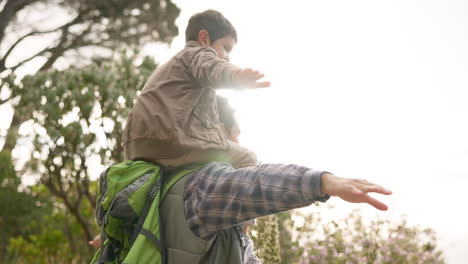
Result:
pixel 78 114
pixel 86 26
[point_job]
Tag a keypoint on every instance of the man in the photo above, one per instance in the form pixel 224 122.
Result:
pixel 203 211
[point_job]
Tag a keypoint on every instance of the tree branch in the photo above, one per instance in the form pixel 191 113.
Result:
pixel 55 55
pixel 10 139
pixel 85 184
pixel 30 58
pixel 4 58
pixel 50 61
pixel 2 101
pixel 9 11
pixel 58 50
pixel 69 235
pixel 75 210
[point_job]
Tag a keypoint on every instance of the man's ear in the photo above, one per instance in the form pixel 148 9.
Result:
pixel 204 38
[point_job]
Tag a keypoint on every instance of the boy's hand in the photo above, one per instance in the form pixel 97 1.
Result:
pixel 249 78
pixel 353 190
pixel 96 242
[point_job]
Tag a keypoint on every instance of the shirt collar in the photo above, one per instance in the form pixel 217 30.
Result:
pixel 192 43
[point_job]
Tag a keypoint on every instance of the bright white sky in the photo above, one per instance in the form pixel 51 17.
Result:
pixel 369 89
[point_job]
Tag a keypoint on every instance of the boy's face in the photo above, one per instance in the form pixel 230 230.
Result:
pixel 224 46
pixel 234 133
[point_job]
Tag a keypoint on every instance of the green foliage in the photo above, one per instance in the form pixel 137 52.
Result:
pixel 353 240
pixel 45 247
pixel 52 238
pixel 8 179
pixel 17 209
pixel 76 105
pixel 265 235
pixel 290 251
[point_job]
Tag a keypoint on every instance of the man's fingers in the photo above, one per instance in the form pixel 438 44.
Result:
pixel 376 203
pixel 376 188
pixel 357 191
pixel 367 186
pixel 262 84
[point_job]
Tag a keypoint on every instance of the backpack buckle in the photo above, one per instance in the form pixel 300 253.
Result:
pixel 155 188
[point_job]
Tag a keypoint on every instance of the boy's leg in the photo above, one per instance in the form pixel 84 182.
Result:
pixel 237 155
pixel 240 157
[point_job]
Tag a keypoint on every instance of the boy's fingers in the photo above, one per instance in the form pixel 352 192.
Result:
pixel 376 203
pixel 262 84
pixel 255 75
pixel 259 75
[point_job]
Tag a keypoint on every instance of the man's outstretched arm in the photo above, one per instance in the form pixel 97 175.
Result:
pixel 219 196
pixel 353 190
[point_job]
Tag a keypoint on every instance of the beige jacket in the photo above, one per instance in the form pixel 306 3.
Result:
pixel 176 113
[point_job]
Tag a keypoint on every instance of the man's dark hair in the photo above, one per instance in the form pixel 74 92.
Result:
pixel 212 21
pixel 226 113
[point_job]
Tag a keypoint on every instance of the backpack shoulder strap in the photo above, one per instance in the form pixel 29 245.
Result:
pixel 161 187
pixel 152 193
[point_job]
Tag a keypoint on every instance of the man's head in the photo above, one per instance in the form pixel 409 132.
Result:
pixel 211 29
pixel 227 118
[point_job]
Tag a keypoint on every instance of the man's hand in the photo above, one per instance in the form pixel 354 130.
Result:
pixel 249 78
pixel 353 190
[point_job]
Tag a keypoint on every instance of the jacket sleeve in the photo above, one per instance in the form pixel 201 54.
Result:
pixel 209 71
pixel 219 196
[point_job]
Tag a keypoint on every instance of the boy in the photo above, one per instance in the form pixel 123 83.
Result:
pixel 175 120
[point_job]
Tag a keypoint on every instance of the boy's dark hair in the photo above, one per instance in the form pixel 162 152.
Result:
pixel 212 21
pixel 226 113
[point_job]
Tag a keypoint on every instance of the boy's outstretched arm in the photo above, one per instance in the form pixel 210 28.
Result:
pixel 249 78
pixel 353 190
pixel 210 71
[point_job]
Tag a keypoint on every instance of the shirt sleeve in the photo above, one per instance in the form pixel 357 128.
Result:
pixel 210 71
pixel 219 196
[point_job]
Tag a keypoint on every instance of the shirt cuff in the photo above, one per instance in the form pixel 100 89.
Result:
pixel 311 187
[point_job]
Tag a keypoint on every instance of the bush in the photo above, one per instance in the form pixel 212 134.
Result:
pixel 351 240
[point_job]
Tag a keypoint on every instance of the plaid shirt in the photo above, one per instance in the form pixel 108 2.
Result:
pixel 218 196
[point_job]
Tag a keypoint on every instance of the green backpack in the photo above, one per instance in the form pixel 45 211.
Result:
pixel 127 211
